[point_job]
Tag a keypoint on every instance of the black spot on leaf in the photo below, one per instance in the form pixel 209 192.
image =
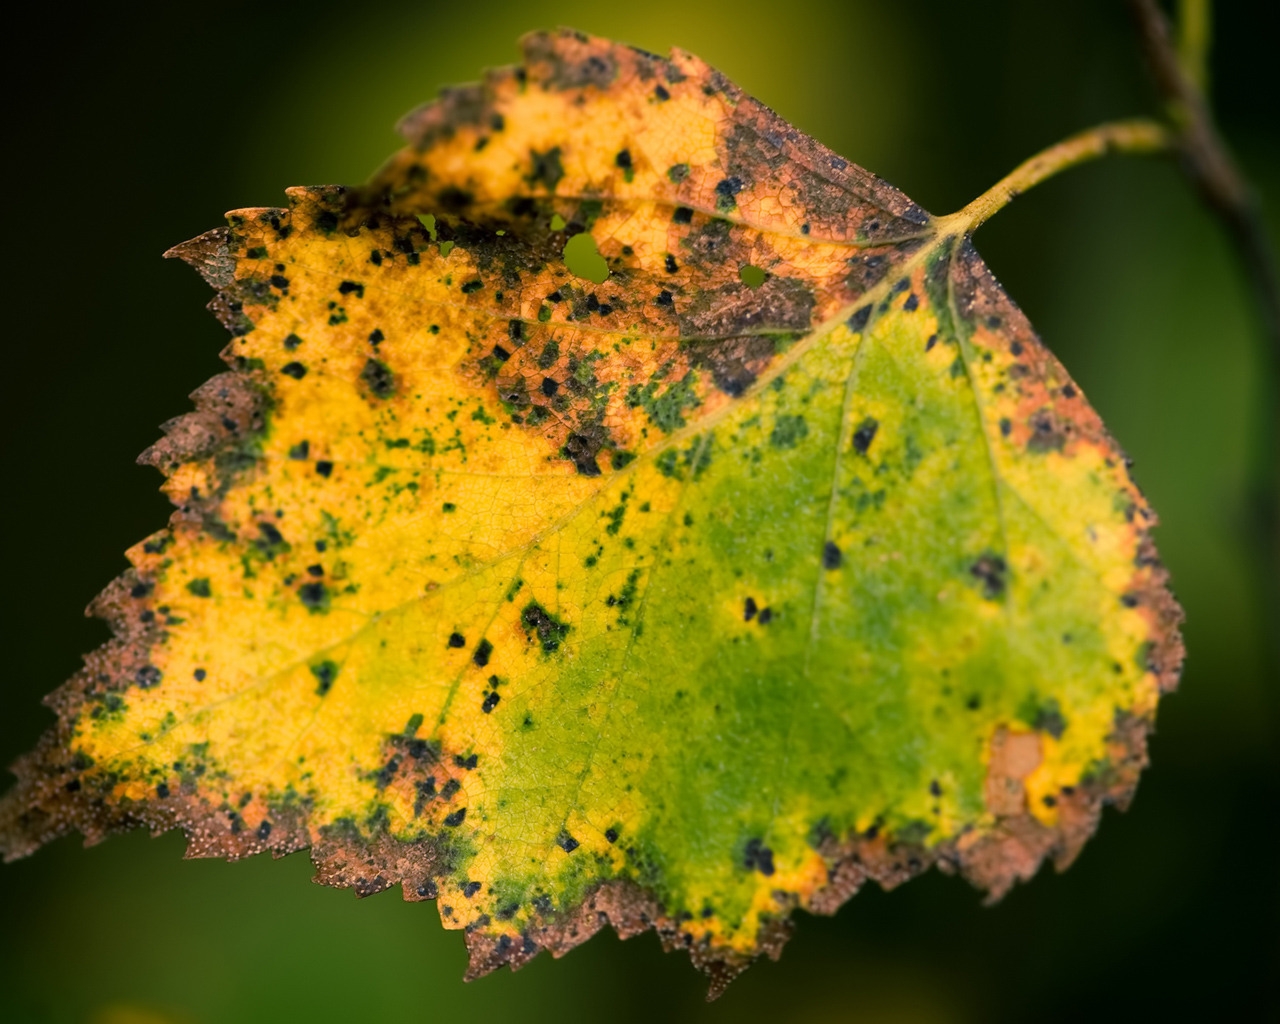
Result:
pixel 1049 719
pixel 547 168
pixel 315 596
pixel 325 672
pixel 858 322
pixel 992 572
pixel 726 191
pixel 549 630
pixel 378 378
pixel 758 857
pixel 582 451
pixel 865 434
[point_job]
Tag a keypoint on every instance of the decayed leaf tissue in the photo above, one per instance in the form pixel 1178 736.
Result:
pixel 758 551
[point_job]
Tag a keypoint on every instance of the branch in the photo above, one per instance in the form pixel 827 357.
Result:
pixel 1194 29
pixel 1209 165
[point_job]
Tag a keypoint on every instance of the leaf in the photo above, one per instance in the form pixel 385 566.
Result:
pixel 621 509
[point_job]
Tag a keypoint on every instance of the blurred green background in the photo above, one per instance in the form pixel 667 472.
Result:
pixel 133 129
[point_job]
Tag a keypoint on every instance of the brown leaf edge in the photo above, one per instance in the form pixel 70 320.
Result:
pixel 57 792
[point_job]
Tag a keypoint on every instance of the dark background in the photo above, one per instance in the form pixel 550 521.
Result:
pixel 129 130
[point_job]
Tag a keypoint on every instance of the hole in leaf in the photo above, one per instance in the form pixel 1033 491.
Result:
pixel 751 275
pixel 428 221
pixel 584 260
pixel 557 222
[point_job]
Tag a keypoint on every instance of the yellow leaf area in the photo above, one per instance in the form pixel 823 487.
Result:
pixel 782 558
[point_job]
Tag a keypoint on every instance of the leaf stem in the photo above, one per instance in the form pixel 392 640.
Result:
pixel 1136 136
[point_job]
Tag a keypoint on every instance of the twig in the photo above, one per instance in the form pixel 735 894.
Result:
pixel 1180 73
pixel 1208 163
pixel 1194 30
